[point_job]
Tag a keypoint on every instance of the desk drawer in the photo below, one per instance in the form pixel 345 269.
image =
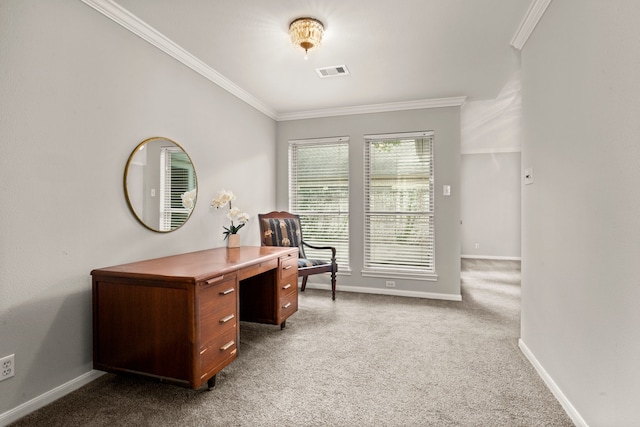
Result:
pixel 287 306
pixel 256 269
pixel 288 266
pixel 225 285
pixel 288 286
pixel 219 354
pixel 218 292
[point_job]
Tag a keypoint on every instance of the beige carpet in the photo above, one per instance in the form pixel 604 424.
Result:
pixel 362 360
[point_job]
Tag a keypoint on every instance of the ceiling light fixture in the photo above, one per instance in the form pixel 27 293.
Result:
pixel 306 33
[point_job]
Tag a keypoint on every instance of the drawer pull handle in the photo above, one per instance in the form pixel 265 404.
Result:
pixel 227 346
pixel 287 267
pixel 287 286
pixel 227 292
pixel 215 279
pixel 287 305
pixel 227 318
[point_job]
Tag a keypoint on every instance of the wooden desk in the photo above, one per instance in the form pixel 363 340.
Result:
pixel 176 318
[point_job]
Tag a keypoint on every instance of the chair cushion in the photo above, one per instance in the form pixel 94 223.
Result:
pixel 304 262
pixel 281 232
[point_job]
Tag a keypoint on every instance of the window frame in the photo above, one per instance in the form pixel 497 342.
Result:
pixel 397 271
pixel 343 256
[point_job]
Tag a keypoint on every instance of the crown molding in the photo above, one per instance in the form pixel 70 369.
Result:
pixel 129 21
pixel 529 23
pixel 374 108
pixel 123 17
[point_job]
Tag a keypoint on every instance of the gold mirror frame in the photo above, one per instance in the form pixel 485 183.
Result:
pixel 155 198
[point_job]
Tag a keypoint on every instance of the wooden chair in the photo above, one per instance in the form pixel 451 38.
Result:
pixel 283 229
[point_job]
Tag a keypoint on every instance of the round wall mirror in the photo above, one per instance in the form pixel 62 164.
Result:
pixel 160 184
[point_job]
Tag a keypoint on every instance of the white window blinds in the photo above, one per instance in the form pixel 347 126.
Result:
pixel 319 193
pixel 399 203
pixel 176 177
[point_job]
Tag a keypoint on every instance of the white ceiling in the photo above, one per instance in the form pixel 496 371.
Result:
pixel 396 50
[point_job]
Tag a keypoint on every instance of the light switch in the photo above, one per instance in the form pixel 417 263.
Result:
pixel 446 190
pixel 153 192
pixel 528 176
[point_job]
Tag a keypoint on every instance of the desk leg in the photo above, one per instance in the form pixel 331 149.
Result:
pixel 211 383
pixel 283 325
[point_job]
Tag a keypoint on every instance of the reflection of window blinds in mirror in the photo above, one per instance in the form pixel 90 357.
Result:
pixel 399 205
pixel 175 178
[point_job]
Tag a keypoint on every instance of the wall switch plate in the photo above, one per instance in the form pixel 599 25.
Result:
pixel 446 190
pixel 528 176
pixel 7 367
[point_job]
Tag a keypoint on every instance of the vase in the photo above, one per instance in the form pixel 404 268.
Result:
pixel 233 241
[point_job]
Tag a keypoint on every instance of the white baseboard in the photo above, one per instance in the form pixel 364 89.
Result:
pixel 395 292
pixel 499 258
pixel 44 399
pixel 566 404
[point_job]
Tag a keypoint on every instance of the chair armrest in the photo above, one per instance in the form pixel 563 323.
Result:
pixel 333 250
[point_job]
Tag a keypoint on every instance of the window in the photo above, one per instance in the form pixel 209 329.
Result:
pixel 319 193
pixel 399 194
pixel 176 177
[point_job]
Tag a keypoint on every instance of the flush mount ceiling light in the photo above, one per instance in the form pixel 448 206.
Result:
pixel 306 33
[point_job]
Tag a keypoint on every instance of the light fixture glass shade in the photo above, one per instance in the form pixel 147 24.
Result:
pixel 306 33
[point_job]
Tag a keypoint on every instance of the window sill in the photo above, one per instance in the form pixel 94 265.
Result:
pixel 398 274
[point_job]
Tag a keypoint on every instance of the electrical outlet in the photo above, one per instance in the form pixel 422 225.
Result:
pixel 7 366
pixel 391 284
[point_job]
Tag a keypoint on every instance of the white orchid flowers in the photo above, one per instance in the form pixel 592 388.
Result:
pixel 221 200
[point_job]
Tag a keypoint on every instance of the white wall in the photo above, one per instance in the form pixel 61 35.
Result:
pixel 77 94
pixel 490 205
pixel 446 124
pixel 581 226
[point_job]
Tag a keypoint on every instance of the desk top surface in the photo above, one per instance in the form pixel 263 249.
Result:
pixel 197 265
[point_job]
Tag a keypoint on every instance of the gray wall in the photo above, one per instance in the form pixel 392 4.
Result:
pixel 77 94
pixel 490 205
pixel 446 124
pixel 580 217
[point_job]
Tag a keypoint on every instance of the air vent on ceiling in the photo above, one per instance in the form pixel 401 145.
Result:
pixel 336 70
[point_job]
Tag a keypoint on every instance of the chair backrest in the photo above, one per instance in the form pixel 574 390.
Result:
pixel 281 229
